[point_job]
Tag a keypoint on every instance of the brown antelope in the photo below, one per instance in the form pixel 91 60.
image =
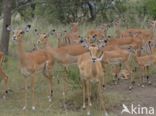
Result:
pixel 117 56
pixel 145 35
pixel 64 55
pixel 60 38
pixel 99 33
pixel 91 71
pixel 31 63
pixel 144 63
pixel 73 36
pixel 117 25
pixel 126 43
pixel 3 75
pixel 74 27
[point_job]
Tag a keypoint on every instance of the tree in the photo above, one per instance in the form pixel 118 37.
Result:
pixel 7 7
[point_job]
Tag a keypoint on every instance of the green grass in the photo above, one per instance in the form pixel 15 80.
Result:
pixel 12 106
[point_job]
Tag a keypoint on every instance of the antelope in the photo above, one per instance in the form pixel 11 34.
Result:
pixel 3 75
pixel 145 35
pixel 73 36
pixel 117 56
pixel 144 62
pixel 31 63
pixel 117 24
pixel 60 38
pixel 126 43
pixel 64 55
pixel 140 33
pixel 98 33
pixel 91 71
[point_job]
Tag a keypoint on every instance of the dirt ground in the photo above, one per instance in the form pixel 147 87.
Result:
pixel 143 96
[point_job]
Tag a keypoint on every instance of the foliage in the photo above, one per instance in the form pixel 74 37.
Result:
pixel 66 11
pixel 150 6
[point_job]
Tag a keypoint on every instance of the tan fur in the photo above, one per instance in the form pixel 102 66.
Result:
pixel 117 56
pixel 90 72
pixel 65 55
pixel 126 43
pixel 31 62
pixel 144 63
pixel 117 25
pixel 73 36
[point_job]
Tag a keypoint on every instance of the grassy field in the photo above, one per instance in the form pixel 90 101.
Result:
pixel 71 104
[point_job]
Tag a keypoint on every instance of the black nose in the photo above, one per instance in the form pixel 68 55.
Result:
pixel 93 59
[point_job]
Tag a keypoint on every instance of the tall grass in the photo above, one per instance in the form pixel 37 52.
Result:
pixel 12 106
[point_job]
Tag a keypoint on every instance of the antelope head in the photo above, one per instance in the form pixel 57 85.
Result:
pixel 95 50
pixel 18 34
pixel 43 37
pixel 96 53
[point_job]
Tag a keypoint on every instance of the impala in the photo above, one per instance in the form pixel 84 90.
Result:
pixel 91 71
pixel 31 63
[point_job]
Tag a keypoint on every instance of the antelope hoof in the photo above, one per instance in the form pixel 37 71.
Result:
pixel 149 83
pixel 84 107
pixel 106 114
pixel 4 97
pixel 24 108
pixel 142 86
pixel 49 99
pixel 33 108
pixel 115 82
pixel 139 85
pixel 90 104
pixel 88 113
pixel 63 93
pixel 130 88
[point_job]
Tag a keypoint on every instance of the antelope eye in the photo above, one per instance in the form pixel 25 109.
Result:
pixel 21 32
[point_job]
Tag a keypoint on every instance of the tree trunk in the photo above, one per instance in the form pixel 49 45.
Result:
pixel 7 7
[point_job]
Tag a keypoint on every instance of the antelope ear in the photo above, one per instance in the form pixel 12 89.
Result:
pixel 84 43
pixel 53 30
pixel 8 27
pixel 27 28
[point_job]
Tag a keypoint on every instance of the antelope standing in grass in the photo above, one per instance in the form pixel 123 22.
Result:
pixel 73 36
pixel 117 25
pixel 126 43
pixel 65 55
pixel 145 35
pixel 91 71
pixel 31 63
pixel 117 56
pixel 144 63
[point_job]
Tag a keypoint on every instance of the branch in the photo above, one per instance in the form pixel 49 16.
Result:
pixel 28 4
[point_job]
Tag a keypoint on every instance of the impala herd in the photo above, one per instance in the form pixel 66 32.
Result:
pixel 92 55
